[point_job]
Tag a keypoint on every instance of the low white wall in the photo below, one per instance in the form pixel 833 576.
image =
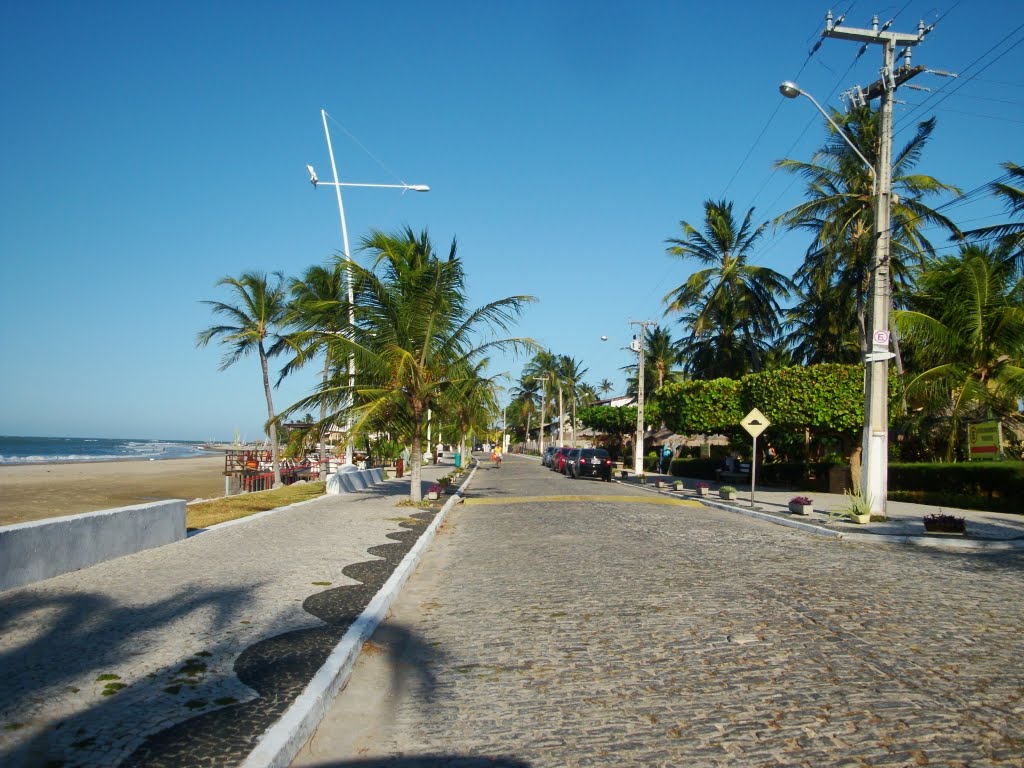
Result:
pixel 44 548
pixel 350 480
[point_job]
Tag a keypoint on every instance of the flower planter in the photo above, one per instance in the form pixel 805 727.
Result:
pixel 660 484
pixel 623 474
pixel 861 519
pixel 801 509
pixel 677 485
pixel 727 495
pixel 702 491
pixel 432 495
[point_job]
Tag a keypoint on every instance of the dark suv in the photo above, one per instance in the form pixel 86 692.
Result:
pixel 592 462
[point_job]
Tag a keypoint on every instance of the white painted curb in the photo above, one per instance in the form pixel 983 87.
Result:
pixel 281 742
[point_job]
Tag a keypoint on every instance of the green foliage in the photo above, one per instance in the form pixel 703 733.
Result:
pixel 826 397
pixel 700 468
pixel 701 407
pixel 971 485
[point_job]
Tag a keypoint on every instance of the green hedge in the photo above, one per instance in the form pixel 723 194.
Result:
pixel 988 485
pixel 702 469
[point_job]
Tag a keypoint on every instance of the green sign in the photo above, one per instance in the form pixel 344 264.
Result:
pixel 985 439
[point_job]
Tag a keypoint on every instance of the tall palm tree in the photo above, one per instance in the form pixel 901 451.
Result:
pixel 966 329
pixel 838 211
pixel 605 386
pixel 318 313
pixel 416 340
pixel 255 318
pixel 731 307
pixel 544 368
pixel 1010 235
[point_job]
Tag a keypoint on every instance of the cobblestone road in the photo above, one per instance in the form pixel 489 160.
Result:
pixel 552 631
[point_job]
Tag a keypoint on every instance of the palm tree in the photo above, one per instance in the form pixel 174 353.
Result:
pixel 415 339
pixel 544 368
pixel 256 318
pixel 966 329
pixel 839 212
pixel 319 314
pixel 571 375
pixel 731 307
pixel 605 386
pixel 1010 189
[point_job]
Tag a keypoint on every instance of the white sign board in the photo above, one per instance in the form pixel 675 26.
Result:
pixel 881 338
pixel 755 423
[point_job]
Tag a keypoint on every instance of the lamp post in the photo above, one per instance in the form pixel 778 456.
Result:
pixel 348 258
pixel 637 345
pixel 875 441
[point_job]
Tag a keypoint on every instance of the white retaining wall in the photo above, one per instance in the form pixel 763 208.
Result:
pixel 349 479
pixel 44 548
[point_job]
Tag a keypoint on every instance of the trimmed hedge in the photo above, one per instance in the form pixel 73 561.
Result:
pixel 997 486
pixel 702 469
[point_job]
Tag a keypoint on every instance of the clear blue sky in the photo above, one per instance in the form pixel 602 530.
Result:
pixel 150 149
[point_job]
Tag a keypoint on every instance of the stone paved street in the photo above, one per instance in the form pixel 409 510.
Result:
pixel 616 627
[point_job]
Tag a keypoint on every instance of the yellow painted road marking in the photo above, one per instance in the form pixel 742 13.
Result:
pixel 664 500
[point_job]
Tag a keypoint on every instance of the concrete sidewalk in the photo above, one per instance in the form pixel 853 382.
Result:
pixel 994 530
pixel 186 654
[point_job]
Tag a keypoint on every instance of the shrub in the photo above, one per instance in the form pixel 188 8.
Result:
pixel 727 489
pixel 802 500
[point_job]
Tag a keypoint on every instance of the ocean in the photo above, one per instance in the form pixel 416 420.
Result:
pixel 51 450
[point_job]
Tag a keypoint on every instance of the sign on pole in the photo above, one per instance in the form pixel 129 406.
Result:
pixel 985 439
pixel 755 423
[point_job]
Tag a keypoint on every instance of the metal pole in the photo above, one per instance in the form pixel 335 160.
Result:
pixel 753 472
pixel 351 302
pixel 543 396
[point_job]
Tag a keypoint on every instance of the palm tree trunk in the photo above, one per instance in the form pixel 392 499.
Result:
pixel 416 455
pixel 323 418
pixel 272 421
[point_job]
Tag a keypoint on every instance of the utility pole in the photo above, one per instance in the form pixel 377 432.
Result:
pixel 543 396
pixel 637 345
pixel 875 442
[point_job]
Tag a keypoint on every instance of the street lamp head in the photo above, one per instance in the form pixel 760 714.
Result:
pixel 312 175
pixel 604 338
pixel 418 187
pixel 789 89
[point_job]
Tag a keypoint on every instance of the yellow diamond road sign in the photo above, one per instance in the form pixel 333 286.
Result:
pixel 755 423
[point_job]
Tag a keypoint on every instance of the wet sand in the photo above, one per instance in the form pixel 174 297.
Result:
pixel 49 490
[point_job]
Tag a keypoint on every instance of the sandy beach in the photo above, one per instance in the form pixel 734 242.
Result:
pixel 34 492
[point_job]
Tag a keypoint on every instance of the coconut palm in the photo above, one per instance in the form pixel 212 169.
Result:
pixel 318 313
pixel 965 327
pixel 255 318
pixel 415 339
pixel 605 386
pixel 838 211
pixel 1010 235
pixel 731 307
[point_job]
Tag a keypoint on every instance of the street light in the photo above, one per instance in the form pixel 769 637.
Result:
pixel 875 443
pixel 348 257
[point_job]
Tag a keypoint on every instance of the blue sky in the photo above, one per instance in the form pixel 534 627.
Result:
pixel 150 149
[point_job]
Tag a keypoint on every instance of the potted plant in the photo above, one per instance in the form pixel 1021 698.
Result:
pixel 945 524
pixel 860 508
pixel 702 488
pixel 642 478
pixel 433 492
pixel 677 485
pixel 660 483
pixel 727 492
pixel 801 505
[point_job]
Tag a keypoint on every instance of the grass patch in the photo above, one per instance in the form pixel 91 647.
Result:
pixel 320 583
pixel 111 688
pixel 14 726
pixel 172 689
pixel 192 668
pixel 195 703
pixel 107 676
pixel 206 513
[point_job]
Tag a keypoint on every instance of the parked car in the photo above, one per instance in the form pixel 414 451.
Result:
pixel 545 459
pixel 570 461
pixel 593 462
pixel 558 458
